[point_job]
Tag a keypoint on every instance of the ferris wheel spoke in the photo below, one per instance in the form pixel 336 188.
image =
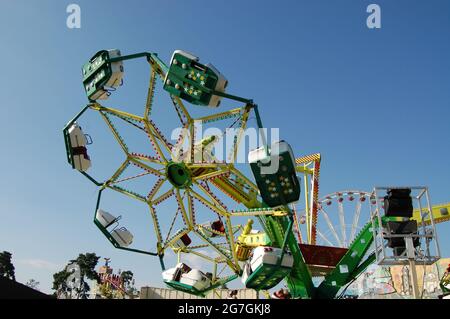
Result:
pixel 171 226
pixel 213 174
pixel 156 225
pixel 355 220
pixel 119 171
pixel 246 183
pixel 149 128
pixel 331 227
pixel 163 197
pixel 178 151
pixel 177 236
pixel 201 255
pixel 191 208
pixel 243 124
pixel 230 239
pixel 207 203
pixel 114 131
pixel 342 222
pixel 324 238
pixel 145 167
pixel 222 270
pixel 219 250
pixel 211 195
pixel 146 158
pixel 201 246
pixel 155 135
pixel 150 94
pixel 181 110
pixel 220 116
pixel 180 203
pixel 130 178
pixel 159 183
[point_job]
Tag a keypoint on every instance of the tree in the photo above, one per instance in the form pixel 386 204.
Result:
pixel 59 279
pixel 87 263
pixel 33 284
pixel 59 282
pixel 127 277
pixel 128 283
pixel 6 266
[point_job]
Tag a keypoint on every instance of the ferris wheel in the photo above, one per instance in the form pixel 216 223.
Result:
pixel 186 172
pixel 202 205
pixel 342 215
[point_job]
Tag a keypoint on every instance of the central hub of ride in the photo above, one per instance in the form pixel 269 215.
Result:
pixel 178 174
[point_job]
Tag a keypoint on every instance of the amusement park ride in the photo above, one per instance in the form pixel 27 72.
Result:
pixel 392 225
pixel 111 285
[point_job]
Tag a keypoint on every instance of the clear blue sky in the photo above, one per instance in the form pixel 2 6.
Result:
pixel 375 103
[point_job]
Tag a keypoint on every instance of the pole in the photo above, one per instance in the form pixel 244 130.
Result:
pixel 410 252
pixel 415 285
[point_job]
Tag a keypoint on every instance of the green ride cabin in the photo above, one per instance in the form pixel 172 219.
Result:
pixel 277 182
pixel 100 73
pixel 192 81
pixel 267 268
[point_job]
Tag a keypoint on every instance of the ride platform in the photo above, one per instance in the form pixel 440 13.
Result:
pixel 267 276
pixel 185 288
pixel 321 260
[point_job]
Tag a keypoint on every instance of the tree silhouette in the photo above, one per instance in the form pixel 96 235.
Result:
pixel 59 279
pixel 33 284
pixel 6 266
pixel 87 263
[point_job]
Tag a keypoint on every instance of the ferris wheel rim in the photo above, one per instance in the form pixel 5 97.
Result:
pixel 343 239
pixel 344 193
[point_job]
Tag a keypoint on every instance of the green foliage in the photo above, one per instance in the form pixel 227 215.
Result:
pixel 6 266
pixel 87 263
pixel 128 283
pixel 127 277
pixel 59 279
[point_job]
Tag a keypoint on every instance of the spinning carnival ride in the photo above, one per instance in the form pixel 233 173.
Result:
pixel 202 186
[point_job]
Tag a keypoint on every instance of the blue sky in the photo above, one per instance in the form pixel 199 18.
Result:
pixel 373 102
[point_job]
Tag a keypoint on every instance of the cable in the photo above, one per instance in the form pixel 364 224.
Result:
pixel 346 287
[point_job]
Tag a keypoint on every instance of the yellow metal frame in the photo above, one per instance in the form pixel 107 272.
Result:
pixel 219 174
pixel 310 167
pixel 441 213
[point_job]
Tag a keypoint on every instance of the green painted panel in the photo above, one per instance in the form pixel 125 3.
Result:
pixel 96 73
pixel 279 188
pixel 184 288
pixel 188 80
pixel 266 277
pixel 299 279
pixel 346 267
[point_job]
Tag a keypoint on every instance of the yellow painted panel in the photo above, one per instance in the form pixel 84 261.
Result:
pixel 441 213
